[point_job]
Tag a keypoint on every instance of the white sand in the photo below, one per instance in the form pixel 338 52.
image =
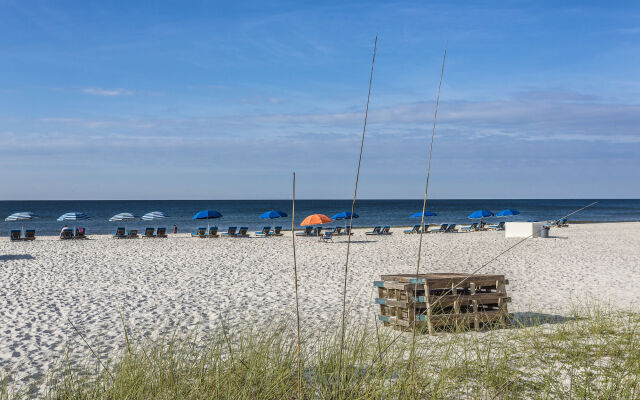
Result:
pixel 188 282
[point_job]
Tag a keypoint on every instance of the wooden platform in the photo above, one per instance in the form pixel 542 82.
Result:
pixel 441 300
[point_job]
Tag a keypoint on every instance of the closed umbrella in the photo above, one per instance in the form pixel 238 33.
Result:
pixel 125 216
pixel 207 214
pixel 21 216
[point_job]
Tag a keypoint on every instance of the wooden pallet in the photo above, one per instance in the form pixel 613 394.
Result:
pixel 441 300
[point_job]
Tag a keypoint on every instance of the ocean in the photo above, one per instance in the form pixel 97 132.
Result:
pixel 246 212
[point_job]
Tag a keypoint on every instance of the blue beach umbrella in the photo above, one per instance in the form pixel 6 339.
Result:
pixel 508 212
pixel 207 214
pixel 21 216
pixel 345 215
pixel 125 216
pixel 480 214
pixel 426 214
pixel 273 214
pixel 73 216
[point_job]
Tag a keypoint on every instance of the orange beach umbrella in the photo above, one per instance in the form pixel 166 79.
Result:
pixel 316 219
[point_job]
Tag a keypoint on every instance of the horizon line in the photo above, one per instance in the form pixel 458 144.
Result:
pixel 340 199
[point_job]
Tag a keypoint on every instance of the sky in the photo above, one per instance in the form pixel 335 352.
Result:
pixel 225 100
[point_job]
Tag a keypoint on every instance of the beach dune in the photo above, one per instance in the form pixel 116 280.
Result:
pixel 188 283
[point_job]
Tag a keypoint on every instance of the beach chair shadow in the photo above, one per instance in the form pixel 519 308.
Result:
pixel 10 257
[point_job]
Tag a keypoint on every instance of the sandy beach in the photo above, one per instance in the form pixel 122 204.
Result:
pixel 184 282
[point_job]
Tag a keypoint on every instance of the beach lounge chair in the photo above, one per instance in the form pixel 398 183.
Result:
pixel 337 230
pixel 563 223
pixel 201 232
pixel 148 233
pixel 305 232
pixel 242 232
pixel 119 233
pixel 231 231
pixel 415 229
pixel 213 232
pixel 469 228
pixel 266 231
pixel 451 228
pixel 374 231
pixel 30 234
pixel 161 233
pixel 14 235
pixel 132 234
pixel 277 231
pixel 328 235
pixel 66 234
pixel 81 233
pixel 386 230
pixel 441 228
pixel 498 227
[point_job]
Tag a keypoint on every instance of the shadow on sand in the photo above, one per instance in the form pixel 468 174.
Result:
pixel 9 257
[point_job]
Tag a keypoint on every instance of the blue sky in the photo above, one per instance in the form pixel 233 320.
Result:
pixel 206 100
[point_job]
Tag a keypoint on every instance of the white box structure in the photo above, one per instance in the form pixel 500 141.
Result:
pixel 522 229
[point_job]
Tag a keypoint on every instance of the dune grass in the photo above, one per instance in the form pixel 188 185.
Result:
pixel 593 354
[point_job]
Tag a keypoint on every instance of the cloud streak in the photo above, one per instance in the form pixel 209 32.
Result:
pixel 107 92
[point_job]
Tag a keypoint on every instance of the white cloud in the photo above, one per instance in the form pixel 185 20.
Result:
pixel 107 92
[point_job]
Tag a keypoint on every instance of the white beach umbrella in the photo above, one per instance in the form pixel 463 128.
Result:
pixel 73 216
pixel 21 216
pixel 154 216
pixel 125 216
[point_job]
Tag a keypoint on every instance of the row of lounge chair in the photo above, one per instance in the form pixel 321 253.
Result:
pixel 122 233
pixel 317 231
pixel 379 230
pixel 455 228
pixel 29 234
pixel 233 231
pixel 67 234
